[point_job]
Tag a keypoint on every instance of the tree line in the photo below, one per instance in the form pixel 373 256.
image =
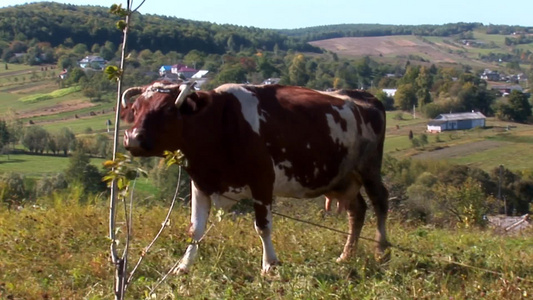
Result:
pixel 443 194
pixel 63 24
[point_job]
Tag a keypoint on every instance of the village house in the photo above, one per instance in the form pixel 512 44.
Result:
pixel 505 89
pixel 456 121
pixel 92 62
pixel 271 81
pixel 63 75
pixel 165 70
pixel 490 75
pixel 390 92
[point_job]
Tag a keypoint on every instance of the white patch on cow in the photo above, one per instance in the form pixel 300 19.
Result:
pixel 226 200
pixel 148 93
pixel 337 133
pixel 263 116
pixel 308 146
pixel 367 130
pixel 283 150
pixel 249 103
pixel 285 186
pixel 200 206
pixel 316 172
pixel 269 254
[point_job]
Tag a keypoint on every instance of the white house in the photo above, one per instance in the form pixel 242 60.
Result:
pixel 390 92
pixel 457 121
pixel 92 62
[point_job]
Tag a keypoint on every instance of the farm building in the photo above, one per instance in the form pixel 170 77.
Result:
pixel 92 62
pixel 458 121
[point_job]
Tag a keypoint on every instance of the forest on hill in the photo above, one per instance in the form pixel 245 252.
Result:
pixel 63 23
pixel 58 24
pixel 365 30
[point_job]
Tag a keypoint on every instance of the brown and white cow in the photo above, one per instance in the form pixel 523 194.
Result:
pixel 246 141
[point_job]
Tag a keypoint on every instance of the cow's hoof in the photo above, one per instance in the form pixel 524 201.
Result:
pixel 383 256
pixel 180 270
pixel 270 269
pixel 342 258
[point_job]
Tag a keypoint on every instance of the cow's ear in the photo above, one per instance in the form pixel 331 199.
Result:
pixel 192 104
pixel 126 114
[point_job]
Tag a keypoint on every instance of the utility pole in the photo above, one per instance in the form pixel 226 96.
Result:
pixel 500 191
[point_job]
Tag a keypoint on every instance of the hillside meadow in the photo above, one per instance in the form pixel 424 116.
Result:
pixel 435 49
pixel 59 250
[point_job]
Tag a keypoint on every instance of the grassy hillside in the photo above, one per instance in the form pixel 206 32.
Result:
pixel 431 49
pixel 500 142
pixel 60 251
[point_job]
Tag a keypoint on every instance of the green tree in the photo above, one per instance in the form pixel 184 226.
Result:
pixel 520 108
pixel 405 97
pixel 65 140
pixel 5 136
pixel 12 189
pixel 75 76
pixel 102 145
pixel 80 49
pixel 423 82
pixel 297 73
pixel 229 73
pixel 465 203
pixel 14 126
pixel 420 193
pixel 35 139
pixel 165 179
pixel 49 184
pixel 80 171
pixel 387 101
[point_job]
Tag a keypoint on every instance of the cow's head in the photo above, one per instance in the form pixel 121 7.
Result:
pixel 155 116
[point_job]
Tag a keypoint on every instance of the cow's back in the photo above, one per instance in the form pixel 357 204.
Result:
pixel 314 139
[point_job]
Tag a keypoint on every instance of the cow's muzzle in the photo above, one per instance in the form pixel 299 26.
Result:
pixel 135 141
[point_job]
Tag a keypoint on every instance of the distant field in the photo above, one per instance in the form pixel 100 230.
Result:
pixel 61 111
pixel 485 148
pixel 38 165
pixel 433 49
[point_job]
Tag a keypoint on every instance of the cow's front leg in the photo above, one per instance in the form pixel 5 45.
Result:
pixel 263 226
pixel 201 204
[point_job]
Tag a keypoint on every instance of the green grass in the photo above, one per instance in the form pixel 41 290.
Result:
pixel 52 95
pixel 84 112
pixel 38 165
pixel 15 67
pixel 512 155
pixel 11 101
pixel 60 250
pixel 96 123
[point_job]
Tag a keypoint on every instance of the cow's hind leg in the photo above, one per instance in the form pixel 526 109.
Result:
pixel 351 200
pixel 200 206
pixel 378 194
pixel 263 226
pixel 356 210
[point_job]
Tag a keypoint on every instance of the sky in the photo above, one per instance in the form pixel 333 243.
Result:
pixel 291 14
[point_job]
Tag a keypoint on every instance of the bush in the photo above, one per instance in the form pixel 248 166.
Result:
pixel 80 171
pixel 12 189
pixel 50 183
pixel 165 179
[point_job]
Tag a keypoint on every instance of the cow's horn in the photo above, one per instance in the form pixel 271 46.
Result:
pixel 133 91
pixel 185 90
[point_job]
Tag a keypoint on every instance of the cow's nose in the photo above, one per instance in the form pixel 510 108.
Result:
pixel 133 138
